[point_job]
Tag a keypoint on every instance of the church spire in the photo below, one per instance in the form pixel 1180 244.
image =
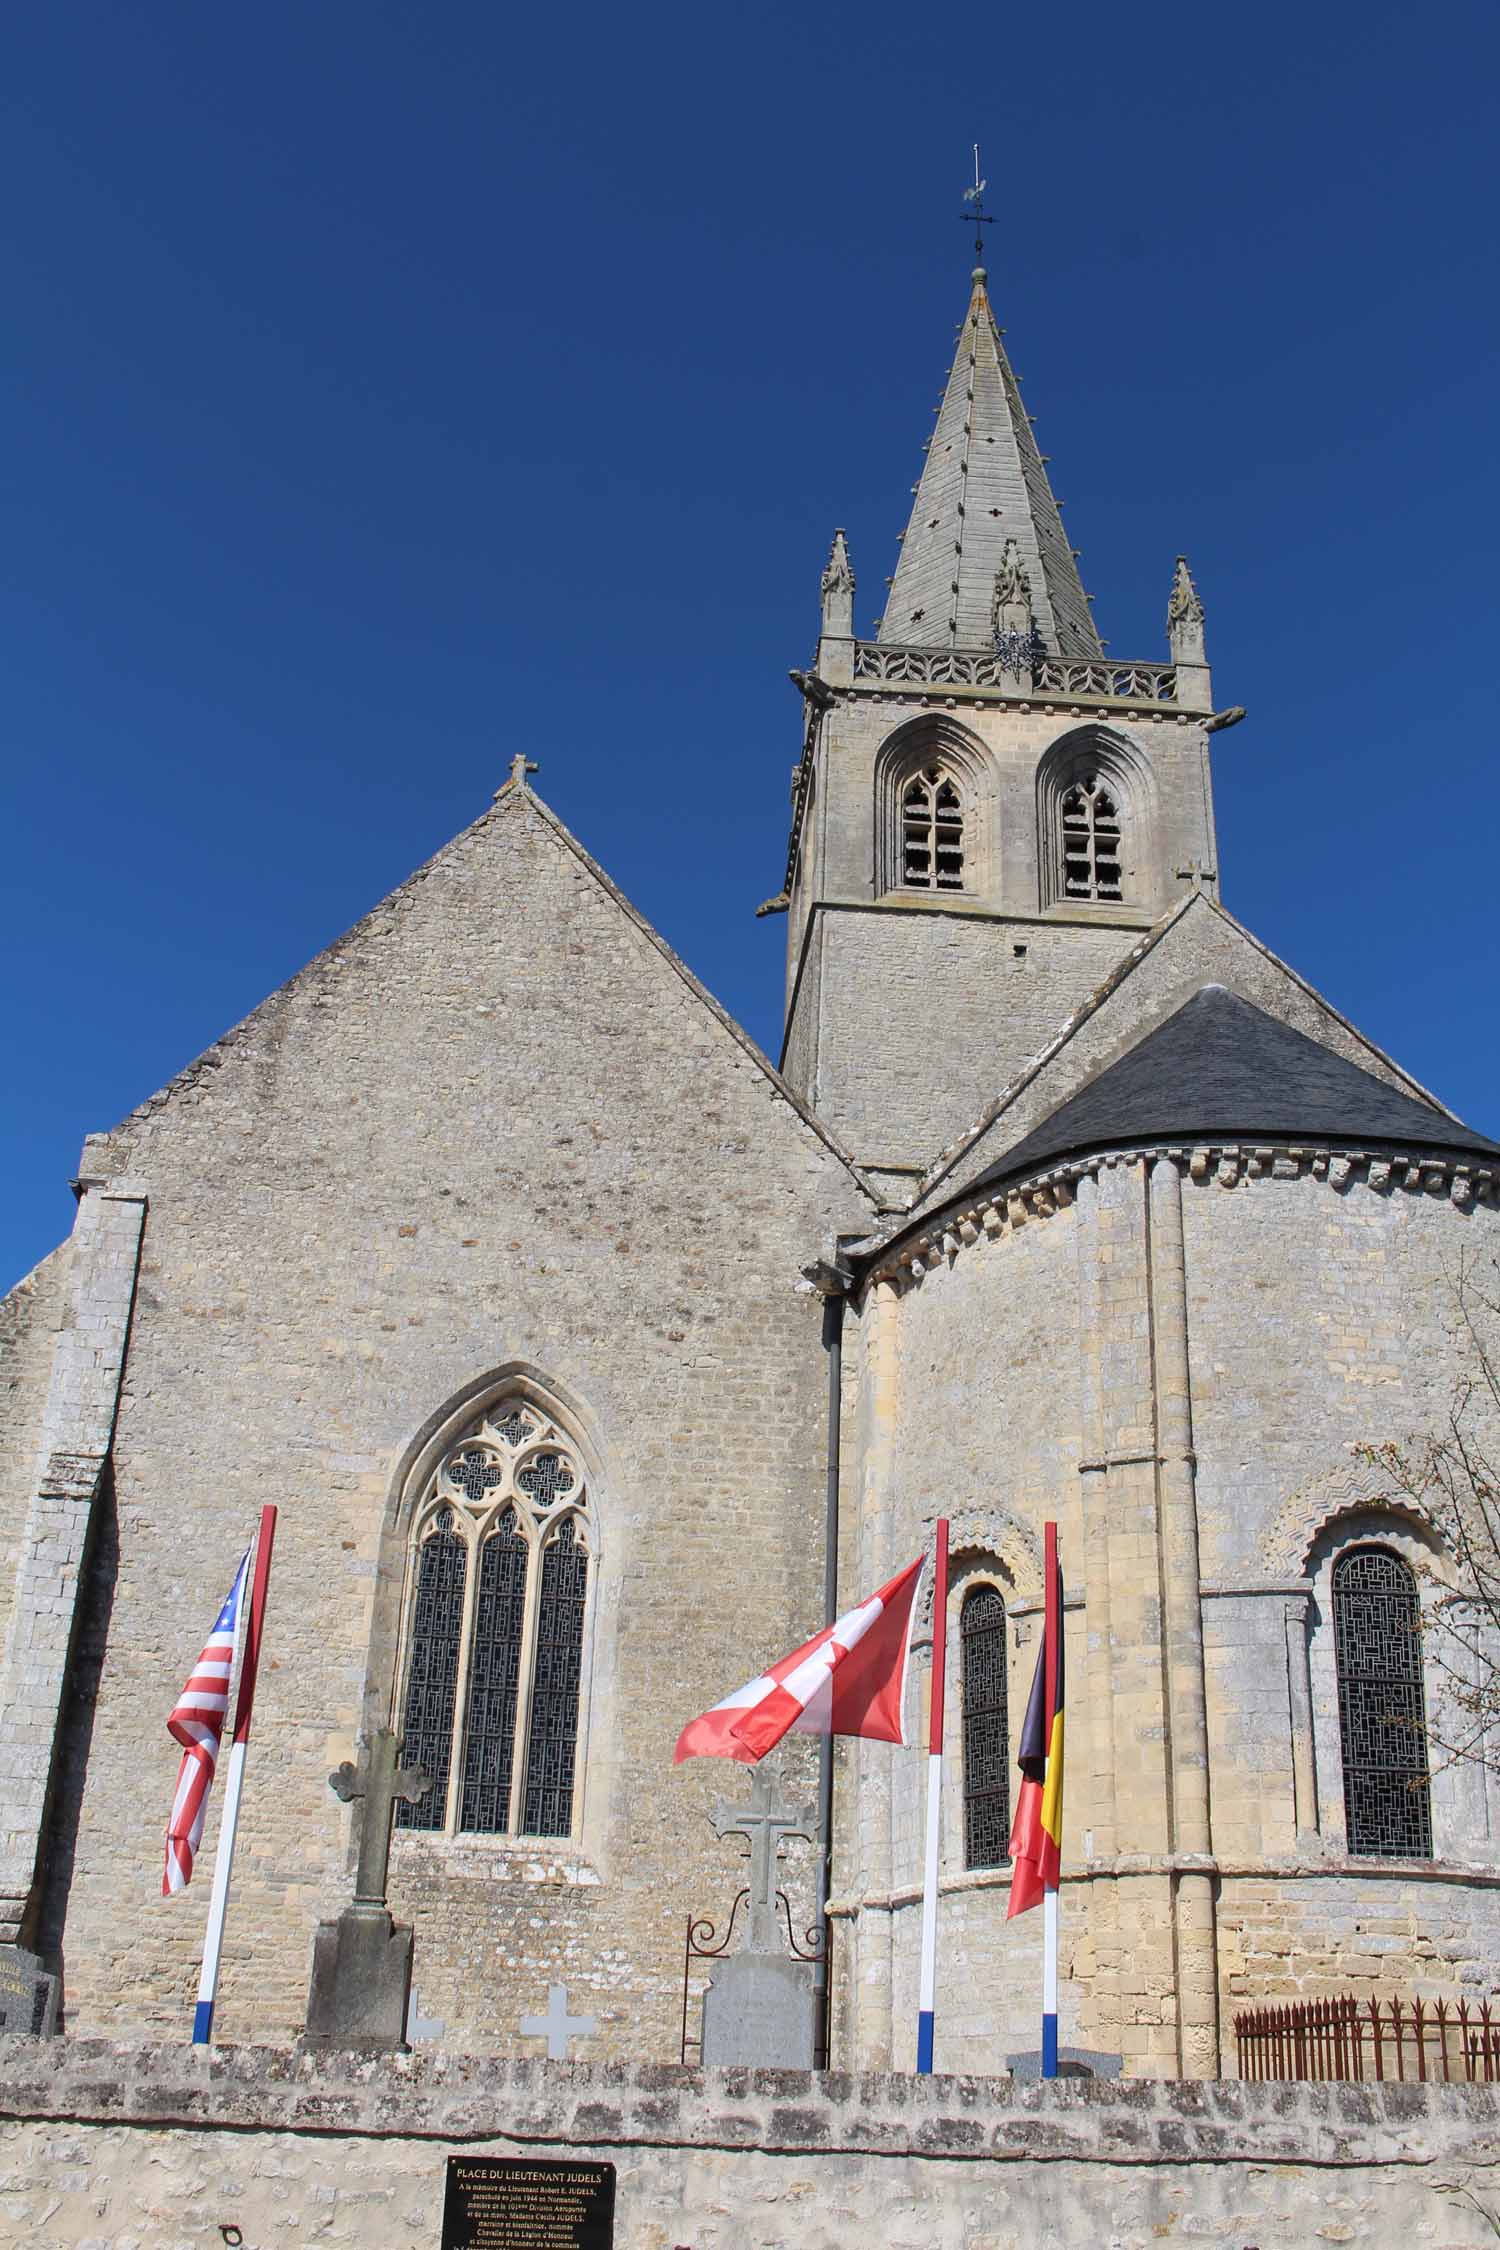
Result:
pixel 983 491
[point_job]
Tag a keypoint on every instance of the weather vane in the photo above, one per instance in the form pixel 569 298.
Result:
pixel 977 212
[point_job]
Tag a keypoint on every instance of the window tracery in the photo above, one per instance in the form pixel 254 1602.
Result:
pixel 493 1659
pixel 932 832
pixel 986 1728
pixel 1377 1638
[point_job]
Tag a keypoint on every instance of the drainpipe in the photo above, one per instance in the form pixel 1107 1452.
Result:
pixel 832 1282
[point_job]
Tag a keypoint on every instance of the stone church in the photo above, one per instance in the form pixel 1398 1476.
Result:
pixel 494 1253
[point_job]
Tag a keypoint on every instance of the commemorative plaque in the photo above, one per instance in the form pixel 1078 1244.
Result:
pixel 523 2203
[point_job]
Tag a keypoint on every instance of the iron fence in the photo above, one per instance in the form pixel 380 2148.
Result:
pixel 1443 2041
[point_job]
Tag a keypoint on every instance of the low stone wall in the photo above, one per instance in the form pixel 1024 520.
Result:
pixel 132 2147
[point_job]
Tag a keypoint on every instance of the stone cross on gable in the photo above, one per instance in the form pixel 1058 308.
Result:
pixel 1197 873
pixel 521 766
pixel 765 1824
pixel 380 1778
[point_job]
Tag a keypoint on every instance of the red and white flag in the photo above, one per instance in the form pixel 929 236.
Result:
pixel 197 1722
pixel 848 1679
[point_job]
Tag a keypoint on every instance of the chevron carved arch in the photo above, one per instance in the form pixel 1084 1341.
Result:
pixel 985 1533
pixel 1306 1518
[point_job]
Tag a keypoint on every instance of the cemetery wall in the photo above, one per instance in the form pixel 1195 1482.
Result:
pixel 134 2145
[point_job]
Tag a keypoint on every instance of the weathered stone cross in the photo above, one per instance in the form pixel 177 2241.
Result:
pixel 764 1824
pixel 557 2027
pixel 1197 874
pixel 521 766
pixel 380 1778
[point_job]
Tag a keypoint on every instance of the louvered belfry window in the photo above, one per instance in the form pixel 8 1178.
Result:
pixel 1377 1637
pixel 986 1727
pixel 932 833
pixel 495 1630
pixel 1091 841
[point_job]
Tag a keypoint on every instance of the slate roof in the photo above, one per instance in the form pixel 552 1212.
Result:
pixel 1222 1069
pixel 983 483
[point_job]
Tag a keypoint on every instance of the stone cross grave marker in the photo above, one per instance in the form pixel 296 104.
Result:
pixel 382 1780
pixel 557 2027
pixel 765 1824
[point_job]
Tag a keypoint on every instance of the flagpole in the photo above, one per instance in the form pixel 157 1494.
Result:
pixel 234 1781
pixel 934 1801
pixel 1052 1628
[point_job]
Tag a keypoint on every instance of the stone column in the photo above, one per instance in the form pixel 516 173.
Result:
pixel 1102 2004
pixel 1182 1632
pixel 875 1938
pixel 77 1431
pixel 1299 1699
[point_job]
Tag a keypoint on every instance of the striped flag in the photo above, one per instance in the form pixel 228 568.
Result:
pixel 1036 1833
pixel 197 1722
pixel 848 1679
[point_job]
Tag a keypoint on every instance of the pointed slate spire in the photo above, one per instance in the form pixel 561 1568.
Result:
pixel 984 486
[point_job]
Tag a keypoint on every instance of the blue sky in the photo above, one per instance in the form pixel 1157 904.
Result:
pixel 390 389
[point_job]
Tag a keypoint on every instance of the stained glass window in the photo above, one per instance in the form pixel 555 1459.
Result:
pixel 494 1678
pixel 432 1667
pixel 554 1693
pixel 494 1665
pixel 986 1728
pixel 1377 1638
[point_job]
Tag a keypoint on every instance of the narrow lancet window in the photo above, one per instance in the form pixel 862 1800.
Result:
pixel 494 1639
pixel 432 1668
pixel 986 1729
pixel 932 833
pixel 1090 841
pixel 1377 1638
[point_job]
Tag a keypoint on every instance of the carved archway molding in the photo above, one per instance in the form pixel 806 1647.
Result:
pixel 984 1534
pixel 1354 1489
pixel 933 737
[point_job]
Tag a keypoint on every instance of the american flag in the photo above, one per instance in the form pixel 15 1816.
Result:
pixel 197 1722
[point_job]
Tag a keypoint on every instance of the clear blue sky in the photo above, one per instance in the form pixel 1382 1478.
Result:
pixel 390 388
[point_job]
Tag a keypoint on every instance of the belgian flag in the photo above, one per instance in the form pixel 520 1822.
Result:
pixel 1036 1835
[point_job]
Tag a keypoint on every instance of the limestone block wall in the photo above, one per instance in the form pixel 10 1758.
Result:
pixel 144 2146
pixel 495 1127
pixel 30 1317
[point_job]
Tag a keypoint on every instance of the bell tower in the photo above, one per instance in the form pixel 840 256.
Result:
pixel 988 810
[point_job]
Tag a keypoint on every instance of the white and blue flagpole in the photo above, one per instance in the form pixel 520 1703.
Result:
pixel 234 1781
pixel 1052 1627
pixel 927 1998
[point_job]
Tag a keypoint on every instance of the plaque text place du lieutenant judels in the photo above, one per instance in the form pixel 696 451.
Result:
pixel 522 2203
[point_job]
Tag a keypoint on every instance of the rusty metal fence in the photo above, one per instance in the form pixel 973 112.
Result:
pixel 1442 2041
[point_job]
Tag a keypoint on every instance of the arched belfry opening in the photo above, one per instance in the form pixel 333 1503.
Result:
pixel 935 804
pixel 1096 822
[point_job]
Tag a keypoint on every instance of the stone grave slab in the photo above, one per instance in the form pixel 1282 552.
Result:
pixel 28 1995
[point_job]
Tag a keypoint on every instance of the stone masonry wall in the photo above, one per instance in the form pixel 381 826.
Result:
pixel 153 2149
pixel 495 1126
pixel 29 1320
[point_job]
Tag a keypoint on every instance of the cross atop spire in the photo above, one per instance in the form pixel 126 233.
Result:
pixel 984 485
pixel 977 214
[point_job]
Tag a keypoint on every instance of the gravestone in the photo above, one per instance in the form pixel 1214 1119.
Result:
pixel 528 2203
pixel 361 1980
pixel 759 2007
pixel 28 1995
pixel 1072 2062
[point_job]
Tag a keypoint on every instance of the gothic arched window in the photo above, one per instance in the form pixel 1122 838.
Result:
pixel 981 1634
pixel 932 832
pixel 1377 1640
pixel 495 1629
pixel 1090 840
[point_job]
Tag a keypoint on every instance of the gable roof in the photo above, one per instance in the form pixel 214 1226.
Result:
pixel 1221 1068
pixel 983 482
